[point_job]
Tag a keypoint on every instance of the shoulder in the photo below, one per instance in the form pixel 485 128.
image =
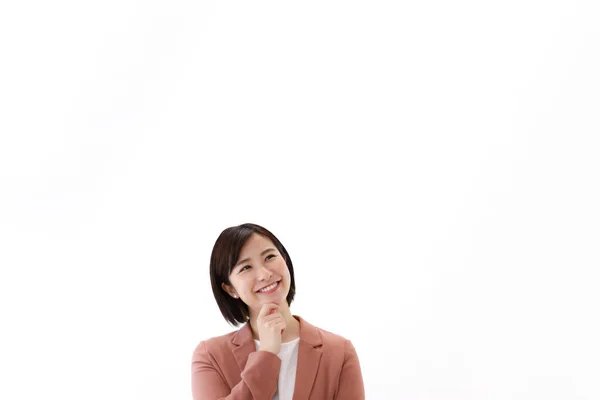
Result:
pixel 316 335
pixel 334 342
pixel 331 337
pixel 213 345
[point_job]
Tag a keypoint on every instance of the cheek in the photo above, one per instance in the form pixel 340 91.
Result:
pixel 282 267
pixel 285 272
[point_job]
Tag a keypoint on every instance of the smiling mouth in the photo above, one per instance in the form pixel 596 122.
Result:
pixel 273 289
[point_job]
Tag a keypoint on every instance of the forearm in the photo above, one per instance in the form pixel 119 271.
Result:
pixel 258 379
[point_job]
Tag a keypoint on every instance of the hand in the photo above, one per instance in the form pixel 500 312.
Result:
pixel 271 325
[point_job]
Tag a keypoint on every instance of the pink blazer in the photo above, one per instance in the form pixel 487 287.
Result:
pixel 229 367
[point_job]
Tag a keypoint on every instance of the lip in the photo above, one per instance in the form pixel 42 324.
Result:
pixel 274 289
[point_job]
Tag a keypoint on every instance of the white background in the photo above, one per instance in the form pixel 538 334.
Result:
pixel 432 168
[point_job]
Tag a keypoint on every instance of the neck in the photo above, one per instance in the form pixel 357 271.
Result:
pixel 292 326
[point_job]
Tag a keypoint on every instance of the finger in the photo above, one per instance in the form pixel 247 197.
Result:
pixel 275 322
pixel 266 309
pixel 269 307
pixel 272 317
pixel 274 309
pixel 283 328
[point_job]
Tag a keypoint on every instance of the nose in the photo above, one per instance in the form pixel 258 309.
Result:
pixel 264 274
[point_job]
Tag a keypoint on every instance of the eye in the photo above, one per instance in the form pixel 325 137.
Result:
pixel 244 267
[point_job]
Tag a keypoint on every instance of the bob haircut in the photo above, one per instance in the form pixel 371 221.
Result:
pixel 225 254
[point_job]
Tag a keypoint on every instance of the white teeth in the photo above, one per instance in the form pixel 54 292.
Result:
pixel 268 288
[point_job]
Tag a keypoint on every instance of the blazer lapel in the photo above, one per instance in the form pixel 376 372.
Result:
pixel 243 345
pixel 309 355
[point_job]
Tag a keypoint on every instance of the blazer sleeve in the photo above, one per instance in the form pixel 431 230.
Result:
pixel 259 377
pixel 351 385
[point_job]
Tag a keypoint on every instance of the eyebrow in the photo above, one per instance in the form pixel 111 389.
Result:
pixel 248 259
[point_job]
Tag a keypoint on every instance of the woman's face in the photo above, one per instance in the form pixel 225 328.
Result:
pixel 259 265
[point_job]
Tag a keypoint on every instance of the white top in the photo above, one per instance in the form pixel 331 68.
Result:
pixel 287 373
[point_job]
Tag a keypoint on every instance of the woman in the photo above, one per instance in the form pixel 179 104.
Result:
pixel 275 355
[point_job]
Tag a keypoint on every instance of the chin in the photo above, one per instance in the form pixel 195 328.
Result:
pixel 279 299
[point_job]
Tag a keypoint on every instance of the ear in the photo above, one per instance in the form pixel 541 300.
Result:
pixel 229 290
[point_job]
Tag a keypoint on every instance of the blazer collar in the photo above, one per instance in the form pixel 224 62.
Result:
pixel 309 354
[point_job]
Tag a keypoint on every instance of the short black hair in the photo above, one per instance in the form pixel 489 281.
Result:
pixel 225 254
